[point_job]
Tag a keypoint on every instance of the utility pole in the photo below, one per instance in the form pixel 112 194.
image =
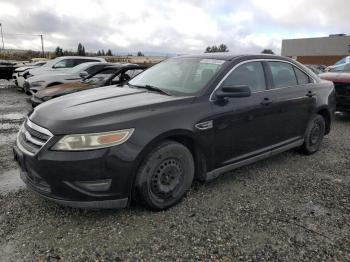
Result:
pixel 2 38
pixel 42 45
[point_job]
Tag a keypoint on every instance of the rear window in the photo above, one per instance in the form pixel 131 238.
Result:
pixel 283 74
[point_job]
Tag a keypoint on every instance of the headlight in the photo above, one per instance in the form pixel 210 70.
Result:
pixel 81 142
pixel 37 83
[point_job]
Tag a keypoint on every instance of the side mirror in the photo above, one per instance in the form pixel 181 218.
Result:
pixel 234 91
pixel 83 74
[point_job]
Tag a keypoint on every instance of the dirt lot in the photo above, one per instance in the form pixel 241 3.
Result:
pixel 290 207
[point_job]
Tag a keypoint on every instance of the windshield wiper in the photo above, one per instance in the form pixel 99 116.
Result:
pixel 152 88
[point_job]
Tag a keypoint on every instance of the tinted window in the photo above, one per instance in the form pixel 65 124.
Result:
pixel 302 77
pixel 250 74
pixel 94 69
pixel 283 74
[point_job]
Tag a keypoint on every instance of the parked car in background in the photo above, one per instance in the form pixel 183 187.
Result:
pixel 110 75
pixel 341 62
pixel 17 75
pixel 6 69
pixel 61 64
pixel 340 76
pixel 189 117
pixel 40 82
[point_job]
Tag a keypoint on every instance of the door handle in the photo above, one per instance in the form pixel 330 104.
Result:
pixel 266 101
pixel 310 94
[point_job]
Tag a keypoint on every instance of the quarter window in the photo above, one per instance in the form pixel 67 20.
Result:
pixel 303 78
pixel 250 74
pixel 283 74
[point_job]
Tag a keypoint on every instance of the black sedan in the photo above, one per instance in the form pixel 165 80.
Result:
pixel 189 117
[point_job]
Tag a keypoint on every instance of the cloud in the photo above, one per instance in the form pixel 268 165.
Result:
pixel 168 26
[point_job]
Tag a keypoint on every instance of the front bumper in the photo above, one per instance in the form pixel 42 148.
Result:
pixel 54 176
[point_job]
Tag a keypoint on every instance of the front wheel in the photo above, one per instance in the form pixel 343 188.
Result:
pixel 314 135
pixel 165 176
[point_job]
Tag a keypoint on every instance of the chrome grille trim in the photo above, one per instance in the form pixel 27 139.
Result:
pixel 31 138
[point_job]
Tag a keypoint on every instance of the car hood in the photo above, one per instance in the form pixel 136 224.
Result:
pixel 100 109
pixel 61 89
pixel 336 77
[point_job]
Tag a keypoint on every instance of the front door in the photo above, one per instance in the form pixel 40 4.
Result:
pixel 241 126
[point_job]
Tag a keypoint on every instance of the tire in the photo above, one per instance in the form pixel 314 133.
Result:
pixel 314 135
pixel 165 176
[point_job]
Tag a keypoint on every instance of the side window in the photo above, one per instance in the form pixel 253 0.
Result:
pixel 66 63
pixel 302 78
pixel 133 72
pixel 283 74
pixel 94 69
pixel 250 74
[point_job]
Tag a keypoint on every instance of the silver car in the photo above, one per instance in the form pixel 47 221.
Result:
pixel 40 82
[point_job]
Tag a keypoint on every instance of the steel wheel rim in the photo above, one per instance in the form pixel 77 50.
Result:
pixel 167 178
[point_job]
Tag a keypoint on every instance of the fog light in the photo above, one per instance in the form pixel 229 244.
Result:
pixel 96 185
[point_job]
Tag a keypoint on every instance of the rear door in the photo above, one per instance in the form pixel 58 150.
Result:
pixel 292 99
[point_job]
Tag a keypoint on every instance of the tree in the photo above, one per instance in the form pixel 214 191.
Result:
pixel 103 52
pixel 109 53
pixel 214 49
pixel 81 50
pixel 223 48
pixel 58 51
pixel 139 53
pixel 99 53
pixel 267 51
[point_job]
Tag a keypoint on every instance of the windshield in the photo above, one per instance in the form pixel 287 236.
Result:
pixel 183 76
pixel 342 68
pixel 101 77
pixel 81 67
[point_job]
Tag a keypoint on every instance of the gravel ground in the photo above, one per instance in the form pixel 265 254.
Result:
pixel 287 208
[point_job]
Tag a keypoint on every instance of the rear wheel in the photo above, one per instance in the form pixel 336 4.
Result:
pixel 314 135
pixel 165 176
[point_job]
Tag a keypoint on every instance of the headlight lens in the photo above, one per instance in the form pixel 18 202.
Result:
pixel 81 142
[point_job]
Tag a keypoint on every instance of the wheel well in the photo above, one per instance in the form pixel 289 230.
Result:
pixel 327 118
pixel 53 84
pixel 198 156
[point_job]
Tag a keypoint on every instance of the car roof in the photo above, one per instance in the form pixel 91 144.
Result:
pixel 117 65
pixel 229 56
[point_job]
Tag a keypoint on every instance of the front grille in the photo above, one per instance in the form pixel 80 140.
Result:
pixel 31 137
pixel 342 89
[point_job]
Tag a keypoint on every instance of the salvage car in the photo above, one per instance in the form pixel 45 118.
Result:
pixel 61 64
pixel 17 75
pixel 340 76
pixel 42 81
pixel 340 63
pixel 110 75
pixel 189 117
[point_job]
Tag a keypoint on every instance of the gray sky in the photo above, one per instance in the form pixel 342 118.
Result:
pixel 170 26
